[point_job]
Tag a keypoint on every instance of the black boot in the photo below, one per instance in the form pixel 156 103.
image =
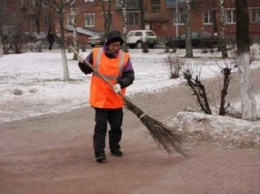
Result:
pixel 100 156
pixel 116 152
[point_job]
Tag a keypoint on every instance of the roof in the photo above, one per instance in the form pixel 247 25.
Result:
pixel 83 31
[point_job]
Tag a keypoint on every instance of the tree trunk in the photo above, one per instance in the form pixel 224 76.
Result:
pixel 59 6
pixel 66 76
pixel 107 16
pixel 222 41
pixel 142 11
pixel 248 103
pixel 189 51
pixel 124 14
pixel 74 34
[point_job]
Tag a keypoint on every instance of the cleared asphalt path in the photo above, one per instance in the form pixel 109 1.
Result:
pixel 52 154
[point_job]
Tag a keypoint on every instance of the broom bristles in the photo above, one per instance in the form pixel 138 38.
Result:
pixel 164 136
pixel 168 138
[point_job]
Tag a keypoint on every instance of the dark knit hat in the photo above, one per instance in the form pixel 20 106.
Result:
pixel 114 36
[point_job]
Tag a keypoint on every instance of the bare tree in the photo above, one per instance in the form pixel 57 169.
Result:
pixel 36 7
pixel 198 90
pixel 174 66
pixel 74 25
pixel 12 37
pixel 59 6
pixel 107 15
pixel 214 5
pixel 248 103
pixel 226 73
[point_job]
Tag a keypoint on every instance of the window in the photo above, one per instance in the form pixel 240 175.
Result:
pixel 119 4
pixel 45 4
pixel 230 16
pixel 207 17
pixel 9 30
pixel 180 17
pixel 69 21
pixel 155 5
pixel 130 4
pixel 172 3
pixel 47 21
pixel 32 3
pixel 255 15
pixel 138 34
pixel 90 20
pixel 133 18
pixel 32 21
pixel 89 0
pixel 130 34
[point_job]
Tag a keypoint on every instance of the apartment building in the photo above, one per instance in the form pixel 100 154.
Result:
pixel 26 16
pixel 165 17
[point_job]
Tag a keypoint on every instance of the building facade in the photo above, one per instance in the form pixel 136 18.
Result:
pixel 165 17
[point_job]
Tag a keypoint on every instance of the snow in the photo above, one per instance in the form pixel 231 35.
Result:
pixel 31 83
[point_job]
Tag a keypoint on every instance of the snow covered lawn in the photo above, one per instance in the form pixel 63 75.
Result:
pixel 31 84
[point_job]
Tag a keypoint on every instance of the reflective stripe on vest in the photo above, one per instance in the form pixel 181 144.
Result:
pixel 121 64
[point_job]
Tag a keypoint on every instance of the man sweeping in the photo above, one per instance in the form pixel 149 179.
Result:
pixel 115 66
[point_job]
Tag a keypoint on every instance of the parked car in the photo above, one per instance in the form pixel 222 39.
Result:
pixel 199 39
pixel 97 39
pixel 134 38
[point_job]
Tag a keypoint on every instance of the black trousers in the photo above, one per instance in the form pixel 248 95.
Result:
pixel 103 117
pixel 50 45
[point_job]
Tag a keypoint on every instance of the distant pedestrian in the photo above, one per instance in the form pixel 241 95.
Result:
pixel 51 39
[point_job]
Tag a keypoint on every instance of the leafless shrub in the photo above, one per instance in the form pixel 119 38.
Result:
pixel 199 90
pixel 232 112
pixel 17 92
pixel 33 90
pixel 174 65
pixel 226 72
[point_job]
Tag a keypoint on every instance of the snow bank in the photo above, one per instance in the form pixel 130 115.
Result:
pixel 227 131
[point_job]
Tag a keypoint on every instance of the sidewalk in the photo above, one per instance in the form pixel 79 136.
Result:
pixel 52 154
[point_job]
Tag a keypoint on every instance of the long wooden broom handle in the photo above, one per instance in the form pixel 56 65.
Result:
pixel 99 74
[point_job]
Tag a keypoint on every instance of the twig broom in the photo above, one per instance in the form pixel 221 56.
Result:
pixel 169 138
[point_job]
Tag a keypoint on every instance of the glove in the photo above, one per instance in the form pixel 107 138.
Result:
pixel 117 88
pixel 81 58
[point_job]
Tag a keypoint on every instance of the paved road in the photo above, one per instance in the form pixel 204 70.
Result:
pixel 52 154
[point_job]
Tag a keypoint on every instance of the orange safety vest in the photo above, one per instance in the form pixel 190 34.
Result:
pixel 101 94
